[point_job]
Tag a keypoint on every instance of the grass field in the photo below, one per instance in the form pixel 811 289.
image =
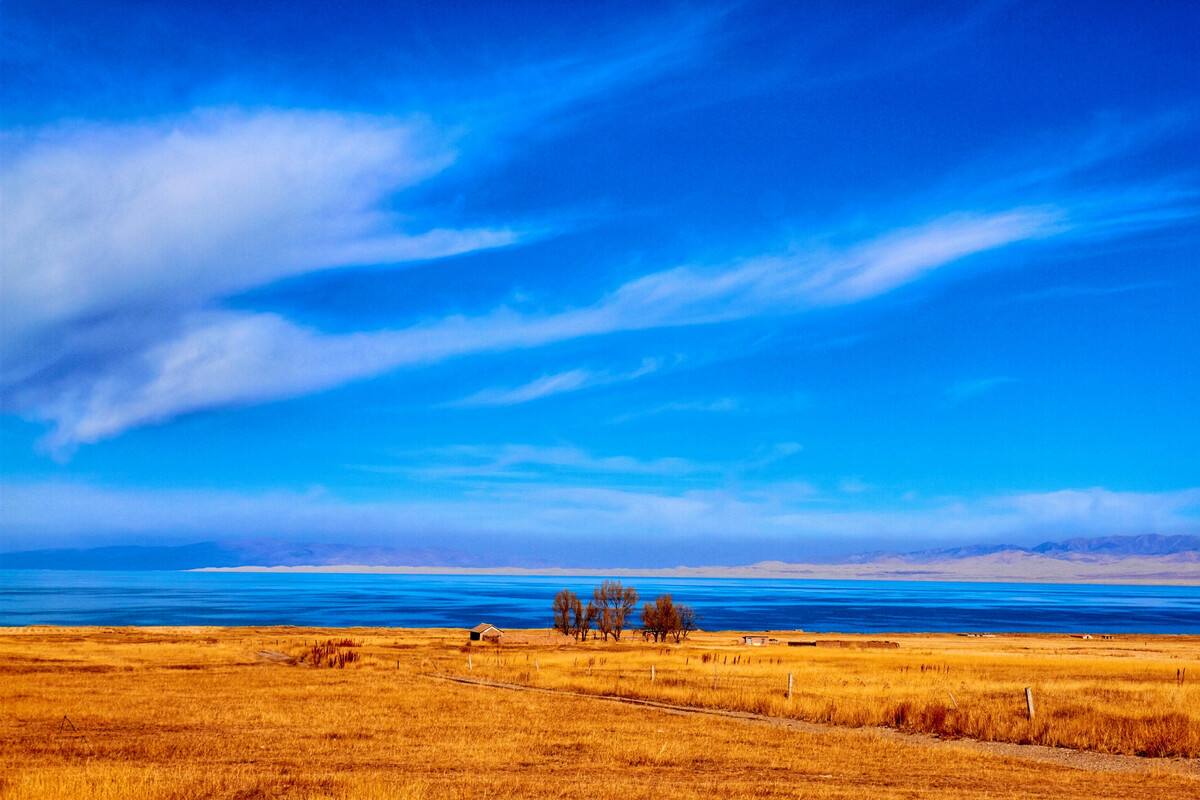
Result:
pixel 1127 695
pixel 242 713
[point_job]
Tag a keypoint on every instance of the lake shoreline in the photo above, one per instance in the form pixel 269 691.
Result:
pixel 1087 574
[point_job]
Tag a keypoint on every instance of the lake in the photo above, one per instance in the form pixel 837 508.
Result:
pixel 60 597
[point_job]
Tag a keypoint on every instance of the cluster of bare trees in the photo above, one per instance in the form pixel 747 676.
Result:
pixel 571 617
pixel 663 618
pixel 611 610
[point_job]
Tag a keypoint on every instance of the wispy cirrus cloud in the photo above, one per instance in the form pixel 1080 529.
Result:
pixel 526 461
pixel 126 241
pixel 122 241
pixel 127 219
pixel 557 383
pixel 212 359
pixel 545 464
pixel 820 275
pixel 119 241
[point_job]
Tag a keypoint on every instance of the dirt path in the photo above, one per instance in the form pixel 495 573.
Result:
pixel 1061 756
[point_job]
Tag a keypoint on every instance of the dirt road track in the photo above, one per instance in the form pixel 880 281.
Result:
pixel 1061 756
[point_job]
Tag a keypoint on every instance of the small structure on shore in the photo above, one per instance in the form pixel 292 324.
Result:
pixel 483 632
pixel 758 641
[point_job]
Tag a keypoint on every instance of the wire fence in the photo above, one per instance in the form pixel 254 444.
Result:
pixel 699 677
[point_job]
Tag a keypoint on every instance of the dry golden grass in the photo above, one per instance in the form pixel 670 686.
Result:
pixel 1113 696
pixel 174 713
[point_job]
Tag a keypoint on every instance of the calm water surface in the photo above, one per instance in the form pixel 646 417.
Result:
pixel 30 597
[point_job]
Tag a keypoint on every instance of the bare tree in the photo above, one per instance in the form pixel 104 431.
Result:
pixel 604 621
pixel 650 621
pixel 564 601
pixel 615 603
pixel 582 618
pixel 660 618
pixel 663 618
pixel 687 622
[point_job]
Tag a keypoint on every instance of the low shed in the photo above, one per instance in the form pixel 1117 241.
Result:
pixel 758 641
pixel 484 632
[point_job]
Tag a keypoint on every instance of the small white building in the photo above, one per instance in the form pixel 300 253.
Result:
pixel 756 640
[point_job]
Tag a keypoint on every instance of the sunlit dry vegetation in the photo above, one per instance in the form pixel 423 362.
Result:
pixel 1132 695
pixel 180 713
pixel 330 653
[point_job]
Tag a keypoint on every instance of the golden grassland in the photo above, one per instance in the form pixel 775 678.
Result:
pixel 1127 695
pixel 134 713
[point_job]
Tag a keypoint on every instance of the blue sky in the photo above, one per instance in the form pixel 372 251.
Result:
pixel 601 284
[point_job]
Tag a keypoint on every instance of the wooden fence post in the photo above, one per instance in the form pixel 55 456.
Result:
pixel 789 691
pixel 470 666
pixel 652 673
pixel 1029 701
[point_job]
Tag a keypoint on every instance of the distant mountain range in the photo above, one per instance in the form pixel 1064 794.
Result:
pixel 1150 544
pixel 1176 558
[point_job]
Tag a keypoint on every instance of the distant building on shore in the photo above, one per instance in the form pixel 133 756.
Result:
pixel 483 632
pixel 758 641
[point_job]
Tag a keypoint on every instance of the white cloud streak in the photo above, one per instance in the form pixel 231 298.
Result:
pixel 178 213
pixel 557 383
pixel 120 244
pixel 525 461
pixel 119 241
pixel 223 358
pixel 547 463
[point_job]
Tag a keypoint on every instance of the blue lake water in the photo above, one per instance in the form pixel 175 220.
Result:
pixel 29 597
